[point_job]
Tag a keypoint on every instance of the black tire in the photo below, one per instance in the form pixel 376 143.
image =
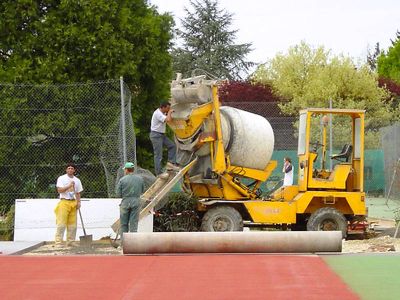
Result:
pixel 301 223
pixel 327 219
pixel 222 218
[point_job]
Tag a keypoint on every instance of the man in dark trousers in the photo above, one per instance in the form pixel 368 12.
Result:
pixel 160 117
pixel 129 188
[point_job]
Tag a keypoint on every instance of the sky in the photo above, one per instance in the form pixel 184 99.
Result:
pixel 348 27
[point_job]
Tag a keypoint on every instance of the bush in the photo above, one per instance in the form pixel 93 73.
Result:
pixel 178 214
pixel 7 226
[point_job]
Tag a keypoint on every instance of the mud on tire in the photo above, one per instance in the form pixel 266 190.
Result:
pixel 327 219
pixel 222 218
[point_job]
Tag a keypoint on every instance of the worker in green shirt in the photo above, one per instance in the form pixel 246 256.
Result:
pixel 129 188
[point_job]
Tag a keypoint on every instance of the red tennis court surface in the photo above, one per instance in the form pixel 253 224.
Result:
pixel 170 277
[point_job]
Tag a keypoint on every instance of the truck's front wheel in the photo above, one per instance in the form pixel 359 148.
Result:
pixel 222 218
pixel 327 219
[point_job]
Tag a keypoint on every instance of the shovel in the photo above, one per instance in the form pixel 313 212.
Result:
pixel 85 240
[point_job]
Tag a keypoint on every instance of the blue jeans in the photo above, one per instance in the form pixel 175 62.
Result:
pixel 129 210
pixel 159 140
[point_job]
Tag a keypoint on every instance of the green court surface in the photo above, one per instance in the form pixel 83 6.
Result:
pixel 381 208
pixel 370 276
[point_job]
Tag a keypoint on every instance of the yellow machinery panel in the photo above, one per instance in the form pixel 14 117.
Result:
pixel 350 203
pixel 336 180
pixel 286 193
pixel 185 128
pixel 272 212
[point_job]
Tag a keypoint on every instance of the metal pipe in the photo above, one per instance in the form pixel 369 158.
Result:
pixel 232 242
pixel 123 126
pixel 330 137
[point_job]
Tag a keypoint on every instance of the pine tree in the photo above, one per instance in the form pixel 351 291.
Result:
pixel 372 58
pixel 396 39
pixel 208 43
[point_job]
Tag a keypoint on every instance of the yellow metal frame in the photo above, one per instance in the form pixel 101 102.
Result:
pixel 227 184
pixel 331 190
pixel 219 165
pixel 340 177
pixel 185 128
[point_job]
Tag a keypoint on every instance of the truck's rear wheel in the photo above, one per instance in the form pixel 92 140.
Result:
pixel 327 219
pixel 222 218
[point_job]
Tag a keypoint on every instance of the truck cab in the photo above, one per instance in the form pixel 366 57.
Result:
pixel 346 167
pixel 330 190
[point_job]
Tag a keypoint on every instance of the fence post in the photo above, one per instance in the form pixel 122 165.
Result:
pixel 330 136
pixel 121 81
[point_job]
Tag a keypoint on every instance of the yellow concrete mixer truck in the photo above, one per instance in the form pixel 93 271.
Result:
pixel 227 153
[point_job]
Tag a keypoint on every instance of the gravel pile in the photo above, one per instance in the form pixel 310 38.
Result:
pixel 377 244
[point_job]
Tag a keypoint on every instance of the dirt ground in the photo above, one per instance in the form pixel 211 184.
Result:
pixel 380 239
pixel 102 247
pixel 375 244
pixel 382 243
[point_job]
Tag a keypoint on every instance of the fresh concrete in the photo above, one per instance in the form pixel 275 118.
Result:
pixel 15 248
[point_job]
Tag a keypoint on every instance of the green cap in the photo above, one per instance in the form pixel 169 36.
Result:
pixel 129 165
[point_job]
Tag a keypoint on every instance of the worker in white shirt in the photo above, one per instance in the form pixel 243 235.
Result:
pixel 288 171
pixel 160 117
pixel 69 187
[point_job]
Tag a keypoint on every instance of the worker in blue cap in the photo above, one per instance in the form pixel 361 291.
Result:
pixel 129 188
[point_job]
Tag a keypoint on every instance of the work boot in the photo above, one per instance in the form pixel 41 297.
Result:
pixel 71 234
pixel 164 175
pixel 172 167
pixel 58 246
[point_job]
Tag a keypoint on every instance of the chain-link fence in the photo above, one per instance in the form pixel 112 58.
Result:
pixel 390 137
pixel 43 127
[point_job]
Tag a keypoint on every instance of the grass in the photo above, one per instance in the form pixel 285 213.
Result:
pixel 370 276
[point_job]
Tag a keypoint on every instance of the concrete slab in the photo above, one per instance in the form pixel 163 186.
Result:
pixel 35 219
pixel 15 248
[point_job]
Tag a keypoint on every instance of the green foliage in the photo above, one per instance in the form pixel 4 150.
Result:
pixel 45 126
pixel 7 226
pixel 80 41
pixel 389 61
pixel 47 41
pixel 308 77
pixel 208 43
pixel 178 214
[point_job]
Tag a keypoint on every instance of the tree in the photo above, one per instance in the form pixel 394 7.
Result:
pixel 389 61
pixel 390 85
pixel 372 58
pixel 309 77
pixel 393 88
pixel 245 91
pixel 396 39
pixel 209 44
pixel 48 41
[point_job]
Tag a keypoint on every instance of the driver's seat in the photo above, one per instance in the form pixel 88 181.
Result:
pixel 345 153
